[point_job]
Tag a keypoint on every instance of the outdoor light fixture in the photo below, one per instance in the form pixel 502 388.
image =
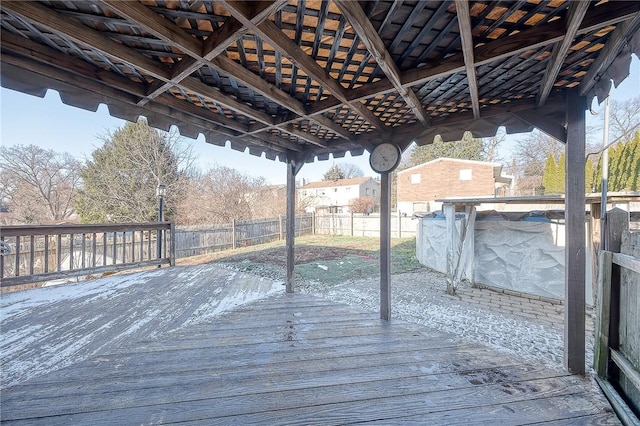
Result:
pixel 161 191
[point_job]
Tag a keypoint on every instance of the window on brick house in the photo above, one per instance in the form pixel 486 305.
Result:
pixel 466 174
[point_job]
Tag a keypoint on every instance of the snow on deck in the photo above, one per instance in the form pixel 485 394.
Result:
pixel 49 328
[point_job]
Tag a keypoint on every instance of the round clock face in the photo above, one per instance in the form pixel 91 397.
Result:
pixel 385 157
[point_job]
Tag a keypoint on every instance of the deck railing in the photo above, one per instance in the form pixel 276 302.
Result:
pixel 617 343
pixel 41 252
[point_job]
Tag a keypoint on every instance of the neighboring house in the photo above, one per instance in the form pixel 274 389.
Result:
pixel 336 196
pixel 421 185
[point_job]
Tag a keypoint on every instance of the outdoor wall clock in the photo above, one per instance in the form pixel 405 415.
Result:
pixel 385 157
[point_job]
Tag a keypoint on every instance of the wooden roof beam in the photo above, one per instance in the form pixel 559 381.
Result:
pixel 368 35
pixel 155 24
pixel 270 91
pixel 151 21
pixel 36 52
pixel 110 81
pixel 268 31
pixel 169 108
pixel 85 36
pixel 610 13
pixel 180 39
pixel 577 10
pixel 204 55
pixel 464 22
pixel 76 72
pixel 511 108
pixel 545 124
pixel 608 53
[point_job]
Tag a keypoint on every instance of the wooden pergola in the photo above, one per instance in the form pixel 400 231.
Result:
pixel 297 80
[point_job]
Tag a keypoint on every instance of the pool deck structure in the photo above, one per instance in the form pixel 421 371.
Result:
pixel 150 355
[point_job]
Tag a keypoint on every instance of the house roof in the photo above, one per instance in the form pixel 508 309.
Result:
pixel 452 160
pixel 334 183
pixel 306 79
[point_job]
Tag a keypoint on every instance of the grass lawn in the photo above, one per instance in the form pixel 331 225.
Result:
pixel 325 258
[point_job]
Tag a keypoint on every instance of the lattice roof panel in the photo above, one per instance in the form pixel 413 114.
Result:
pixel 315 78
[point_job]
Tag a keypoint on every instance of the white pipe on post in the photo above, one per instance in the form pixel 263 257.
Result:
pixel 605 173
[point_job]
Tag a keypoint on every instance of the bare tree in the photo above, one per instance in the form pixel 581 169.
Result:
pixel 350 170
pixel 218 196
pixel 362 205
pixel 625 117
pixel 38 185
pixel 491 147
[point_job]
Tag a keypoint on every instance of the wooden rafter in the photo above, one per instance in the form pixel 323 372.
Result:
pixel 577 11
pixel 464 21
pixel 165 30
pixel 368 35
pixel 118 87
pixel 122 46
pixel 534 38
pixel 85 36
pixel 288 48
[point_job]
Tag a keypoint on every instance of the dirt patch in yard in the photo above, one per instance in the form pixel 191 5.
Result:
pixel 328 259
pixel 303 254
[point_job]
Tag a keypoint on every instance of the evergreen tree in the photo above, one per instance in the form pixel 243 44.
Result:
pixel 121 177
pixel 588 176
pixel 469 148
pixel 334 173
pixel 624 166
pixel 550 175
pixel 561 175
pixel 634 170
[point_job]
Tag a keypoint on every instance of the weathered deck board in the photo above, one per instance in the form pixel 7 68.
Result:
pixel 293 359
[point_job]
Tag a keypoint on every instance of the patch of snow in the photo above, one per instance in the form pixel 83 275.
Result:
pixel 326 268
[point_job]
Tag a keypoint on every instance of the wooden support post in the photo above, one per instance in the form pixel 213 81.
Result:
pixel 293 167
pixel 385 246
pixel 172 246
pixel 575 258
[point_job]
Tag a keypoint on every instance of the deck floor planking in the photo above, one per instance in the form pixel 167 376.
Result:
pixel 296 359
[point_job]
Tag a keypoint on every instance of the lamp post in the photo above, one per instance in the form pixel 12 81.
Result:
pixel 161 191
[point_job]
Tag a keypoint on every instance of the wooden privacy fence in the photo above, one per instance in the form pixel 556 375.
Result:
pixel 41 252
pixel 196 240
pixel 617 345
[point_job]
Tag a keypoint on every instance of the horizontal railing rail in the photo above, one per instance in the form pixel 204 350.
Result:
pixel 35 253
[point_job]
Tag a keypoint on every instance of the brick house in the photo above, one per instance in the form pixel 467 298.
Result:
pixel 419 186
pixel 337 196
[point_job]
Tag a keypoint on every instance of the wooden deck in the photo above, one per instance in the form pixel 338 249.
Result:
pixel 296 359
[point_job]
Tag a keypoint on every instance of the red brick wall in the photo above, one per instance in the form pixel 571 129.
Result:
pixel 441 179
